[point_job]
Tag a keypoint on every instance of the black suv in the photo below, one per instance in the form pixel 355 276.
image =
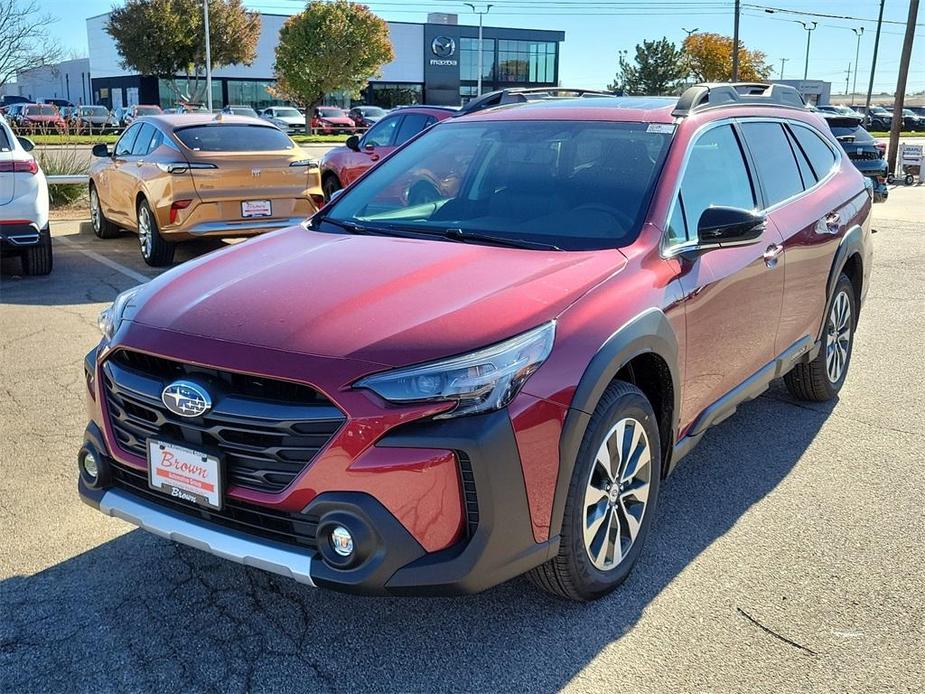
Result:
pixel 861 149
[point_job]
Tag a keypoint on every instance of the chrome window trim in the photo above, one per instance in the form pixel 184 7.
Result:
pixel 669 250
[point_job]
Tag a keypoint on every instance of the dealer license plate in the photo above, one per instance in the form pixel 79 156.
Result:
pixel 256 208
pixel 185 474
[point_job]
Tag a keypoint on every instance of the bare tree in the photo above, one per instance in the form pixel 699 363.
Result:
pixel 24 38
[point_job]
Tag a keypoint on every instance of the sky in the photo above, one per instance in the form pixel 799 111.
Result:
pixel 595 30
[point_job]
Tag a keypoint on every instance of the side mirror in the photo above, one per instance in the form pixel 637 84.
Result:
pixel 336 194
pixel 101 150
pixel 353 142
pixel 26 143
pixel 729 226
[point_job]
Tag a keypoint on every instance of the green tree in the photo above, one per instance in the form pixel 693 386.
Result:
pixel 166 38
pixel 331 46
pixel 657 68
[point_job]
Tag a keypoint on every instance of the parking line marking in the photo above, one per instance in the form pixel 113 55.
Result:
pixel 118 267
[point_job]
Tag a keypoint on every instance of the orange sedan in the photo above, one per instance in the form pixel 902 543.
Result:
pixel 175 178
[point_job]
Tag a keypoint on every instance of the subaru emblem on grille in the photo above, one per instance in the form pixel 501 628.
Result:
pixel 186 399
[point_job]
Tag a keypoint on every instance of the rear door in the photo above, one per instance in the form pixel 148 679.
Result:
pixel 810 211
pixel 732 295
pixel 7 178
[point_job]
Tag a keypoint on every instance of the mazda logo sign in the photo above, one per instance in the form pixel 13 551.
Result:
pixel 186 399
pixel 443 47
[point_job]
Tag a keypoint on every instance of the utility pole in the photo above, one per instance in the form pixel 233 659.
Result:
pixel 782 61
pixel 857 65
pixel 810 27
pixel 478 89
pixel 205 15
pixel 735 43
pixel 898 100
pixel 847 79
pixel 873 65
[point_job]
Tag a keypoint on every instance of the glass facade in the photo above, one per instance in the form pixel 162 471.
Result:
pixel 392 94
pixel 168 97
pixel 253 93
pixel 526 61
pixel 469 59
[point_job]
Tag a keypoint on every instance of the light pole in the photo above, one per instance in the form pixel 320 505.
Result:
pixel 478 89
pixel 690 31
pixel 810 27
pixel 782 61
pixel 205 15
pixel 857 53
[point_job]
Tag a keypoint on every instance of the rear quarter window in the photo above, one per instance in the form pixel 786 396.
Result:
pixel 820 155
pixel 233 138
pixel 774 160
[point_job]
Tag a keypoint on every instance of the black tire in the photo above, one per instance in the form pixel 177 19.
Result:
pixel 102 227
pixel 155 249
pixel 813 381
pixel 572 574
pixel 329 186
pixel 38 260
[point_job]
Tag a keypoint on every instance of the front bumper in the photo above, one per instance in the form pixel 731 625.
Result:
pixel 496 544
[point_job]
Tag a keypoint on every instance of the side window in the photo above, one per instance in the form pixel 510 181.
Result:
pixel 806 171
pixel 380 135
pixel 774 160
pixel 156 141
pixel 716 175
pixel 127 141
pixel 143 141
pixel 820 155
pixel 411 125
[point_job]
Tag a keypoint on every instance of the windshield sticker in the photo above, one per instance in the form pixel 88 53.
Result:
pixel 663 128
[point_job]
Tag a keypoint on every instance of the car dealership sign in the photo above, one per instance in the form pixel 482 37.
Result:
pixel 444 47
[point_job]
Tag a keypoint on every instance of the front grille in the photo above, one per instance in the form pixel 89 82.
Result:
pixel 469 497
pixel 289 528
pixel 864 156
pixel 266 430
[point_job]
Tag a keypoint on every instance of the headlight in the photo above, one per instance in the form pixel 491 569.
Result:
pixel 480 381
pixel 112 316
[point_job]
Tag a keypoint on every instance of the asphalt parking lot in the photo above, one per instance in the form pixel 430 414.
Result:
pixel 788 553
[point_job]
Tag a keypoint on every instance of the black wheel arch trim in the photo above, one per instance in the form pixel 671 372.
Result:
pixel 647 333
pixel 852 243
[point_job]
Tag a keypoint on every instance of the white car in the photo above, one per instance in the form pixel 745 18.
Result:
pixel 23 204
pixel 286 118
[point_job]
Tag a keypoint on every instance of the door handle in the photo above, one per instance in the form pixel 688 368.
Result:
pixel 772 254
pixel 374 157
pixel 139 163
pixel 829 224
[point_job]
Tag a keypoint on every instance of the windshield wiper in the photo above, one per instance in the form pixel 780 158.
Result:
pixel 460 235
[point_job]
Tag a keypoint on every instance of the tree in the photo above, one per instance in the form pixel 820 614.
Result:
pixel 331 46
pixel 24 41
pixel 166 38
pixel 658 69
pixel 710 59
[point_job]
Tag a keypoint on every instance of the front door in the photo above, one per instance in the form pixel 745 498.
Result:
pixel 732 296
pixel 118 181
pixel 375 144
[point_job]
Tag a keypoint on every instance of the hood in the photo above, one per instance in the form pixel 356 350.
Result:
pixel 337 120
pixel 291 120
pixel 379 299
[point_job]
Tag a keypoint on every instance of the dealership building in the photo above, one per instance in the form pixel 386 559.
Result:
pixel 435 63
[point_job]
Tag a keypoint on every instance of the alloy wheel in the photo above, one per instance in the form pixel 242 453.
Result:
pixel 94 209
pixel 838 337
pixel 617 494
pixel 145 233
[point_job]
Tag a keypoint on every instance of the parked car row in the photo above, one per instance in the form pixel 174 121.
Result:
pixel 434 394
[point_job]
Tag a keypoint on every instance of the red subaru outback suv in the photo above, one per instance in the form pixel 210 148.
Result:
pixel 401 398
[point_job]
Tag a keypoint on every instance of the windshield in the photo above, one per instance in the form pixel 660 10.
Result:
pixel 94 111
pixel 147 110
pixel 42 110
pixel 850 132
pixel 287 113
pixel 234 138
pixel 243 111
pixel 331 113
pixel 573 185
pixel 372 111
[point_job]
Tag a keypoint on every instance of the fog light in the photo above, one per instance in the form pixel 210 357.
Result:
pixel 90 468
pixel 342 541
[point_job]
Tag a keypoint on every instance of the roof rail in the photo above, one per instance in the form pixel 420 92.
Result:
pixel 724 94
pixel 519 95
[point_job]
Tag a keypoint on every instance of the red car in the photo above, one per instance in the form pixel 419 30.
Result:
pixel 329 120
pixel 432 398
pixel 341 166
pixel 40 117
